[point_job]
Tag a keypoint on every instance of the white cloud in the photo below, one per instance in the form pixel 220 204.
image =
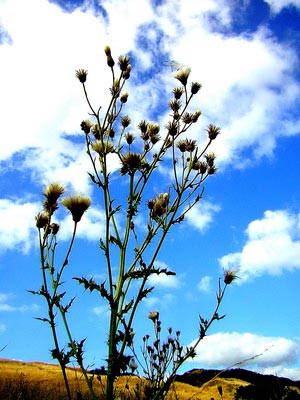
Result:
pixel 223 350
pixel 205 284
pixel 163 280
pixel 278 5
pixel 17 226
pixel 272 246
pixel 91 226
pixel 6 298
pixel 201 215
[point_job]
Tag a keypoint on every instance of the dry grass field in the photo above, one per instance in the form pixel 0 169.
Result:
pixel 34 380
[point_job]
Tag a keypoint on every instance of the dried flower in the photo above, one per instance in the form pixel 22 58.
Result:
pixel 195 87
pixel 182 75
pixel 177 92
pixel 123 63
pixel 186 145
pixel 210 159
pixel 213 131
pixel 125 121
pixel 172 128
pixel 131 162
pixel 143 125
pixel 54 228
pixel 129 137
pixel 196 115
pixel 86 126
pixel 153 129
pixel 77 205
pixel 52 194
pixel 229 276
pixel 81 74
pixel 102 148
pixel 153 315
pixel 95 131
pixel 158 206
pixel 42 219
pixel 187 118
pixel 175 105
pixel 202 167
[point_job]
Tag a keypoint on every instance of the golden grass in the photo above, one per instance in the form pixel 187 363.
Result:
pixel 49 376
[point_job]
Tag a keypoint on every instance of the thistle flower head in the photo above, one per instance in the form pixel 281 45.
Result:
pixel 195 87
pixel 143 125
pixel 131 162
pixel 183 75
pixel 102 148
pixel 187 145
pixel 81 74
pixel 125 121
pixel 210 158
pixel 77 205
pixel 86 126
pixel 229 276
pixel 42 219
pixel 172 128
pixel 177 92
pixel 129 137
pixel 153 315
pixel 158 206
pixel 54 228
pixel 187 118
pixel 175 105
pixel 196 115
pixel 123 63
pixel 213 131
pixel 52 194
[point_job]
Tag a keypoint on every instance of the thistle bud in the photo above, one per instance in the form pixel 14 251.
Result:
pixel 109 59
pixel 126 74
pixel 124 97
pixel 86 126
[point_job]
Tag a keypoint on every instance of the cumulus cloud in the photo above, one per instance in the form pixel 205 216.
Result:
pixel 201 215
pixel 5 306
pixel 261 353
pixel 205 284
pixel 278 5
pixel 17 226
pixel 163 280
pixel 272 246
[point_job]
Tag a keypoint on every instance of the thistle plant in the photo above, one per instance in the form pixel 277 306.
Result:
pixel 109 137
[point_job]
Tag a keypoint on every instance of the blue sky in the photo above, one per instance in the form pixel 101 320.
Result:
pixel 246 55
